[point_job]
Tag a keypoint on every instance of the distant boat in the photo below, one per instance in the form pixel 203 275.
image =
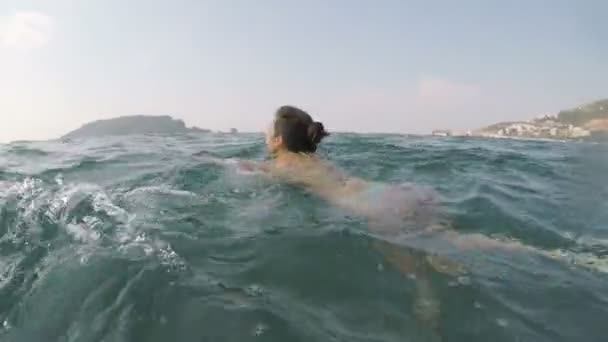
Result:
pixel 442 133
pixel 234 131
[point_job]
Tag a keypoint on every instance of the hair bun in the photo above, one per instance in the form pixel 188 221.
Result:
pixel 316 132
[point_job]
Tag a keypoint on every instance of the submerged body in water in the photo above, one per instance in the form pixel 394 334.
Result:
pixel 134 239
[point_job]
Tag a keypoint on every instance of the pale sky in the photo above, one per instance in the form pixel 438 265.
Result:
pixel 367 66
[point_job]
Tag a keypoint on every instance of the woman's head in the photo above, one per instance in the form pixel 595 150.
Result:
pixel 294 130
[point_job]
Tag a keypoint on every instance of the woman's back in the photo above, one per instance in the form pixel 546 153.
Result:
pixel 317 176
pixel 396 207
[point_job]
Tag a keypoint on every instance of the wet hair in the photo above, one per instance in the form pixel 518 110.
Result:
pixel 299 132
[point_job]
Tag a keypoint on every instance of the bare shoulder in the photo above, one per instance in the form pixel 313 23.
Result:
pixel 254 166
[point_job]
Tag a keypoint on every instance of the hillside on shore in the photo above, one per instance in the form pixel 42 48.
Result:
pixel 136 124
pixel 593 116
pixel 585 122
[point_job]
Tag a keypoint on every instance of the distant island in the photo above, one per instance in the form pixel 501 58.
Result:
pixel 586 122
pixel 136 124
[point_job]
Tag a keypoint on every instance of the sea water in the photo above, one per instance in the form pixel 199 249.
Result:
pixel 164 238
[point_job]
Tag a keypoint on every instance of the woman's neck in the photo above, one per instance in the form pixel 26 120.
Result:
pixel 285 157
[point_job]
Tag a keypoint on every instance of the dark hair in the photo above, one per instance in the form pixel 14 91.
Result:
pixel 300 133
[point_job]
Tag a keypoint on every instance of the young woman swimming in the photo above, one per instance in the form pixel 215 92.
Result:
pixel 292 141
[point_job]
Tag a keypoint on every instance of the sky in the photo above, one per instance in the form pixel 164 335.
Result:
pixel 365 66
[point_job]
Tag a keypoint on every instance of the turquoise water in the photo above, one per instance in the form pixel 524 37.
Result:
pixel 146 239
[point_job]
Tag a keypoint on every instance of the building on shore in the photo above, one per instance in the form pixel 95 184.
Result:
pixel 538 129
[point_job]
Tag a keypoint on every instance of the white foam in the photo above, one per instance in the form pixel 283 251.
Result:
pixel 165 190
pixel 502 322
pixel 59 179
pixel 586 260
pixel 82 233
pixel 59 199
pixel 101 202
pixel 260 329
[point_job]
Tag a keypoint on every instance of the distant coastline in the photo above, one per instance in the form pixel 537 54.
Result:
pixel 135 124
pixel 588 122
